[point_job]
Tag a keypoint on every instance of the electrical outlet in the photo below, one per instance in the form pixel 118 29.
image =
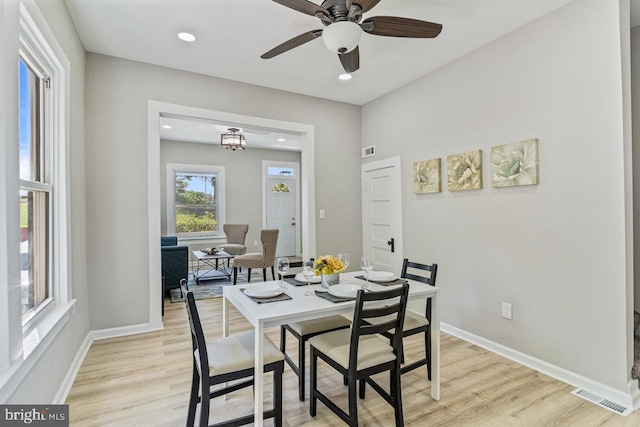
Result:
pixel 321 213
pixel 255 243
pixel 506 311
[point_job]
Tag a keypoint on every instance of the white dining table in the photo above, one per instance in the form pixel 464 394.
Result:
pixel 302 307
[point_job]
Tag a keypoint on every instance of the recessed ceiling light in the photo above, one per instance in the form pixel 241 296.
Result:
pixel 345 76
pixel 188 37
pixel 281 140
pixel 166 127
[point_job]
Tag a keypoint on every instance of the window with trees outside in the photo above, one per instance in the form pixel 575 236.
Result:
pixel 35 187
pixel 197 204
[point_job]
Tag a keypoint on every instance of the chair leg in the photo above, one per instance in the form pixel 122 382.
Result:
pixel 397 397
pixel 264 275
pixel 362 383
pixel 283 338
pixel 277 395
pixel 313 382
pixel 353 402
pixel 273 274
pixel 205 401
pixel 235 275
pixel 248 275
pixel 301 363
pixel 193 398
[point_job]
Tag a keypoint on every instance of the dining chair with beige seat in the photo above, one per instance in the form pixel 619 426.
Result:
pixel 360 352
pixel 417 323
pixel 263 260
pixel 303 331
pixel 227 360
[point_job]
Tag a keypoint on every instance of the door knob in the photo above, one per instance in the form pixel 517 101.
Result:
pixel 392 243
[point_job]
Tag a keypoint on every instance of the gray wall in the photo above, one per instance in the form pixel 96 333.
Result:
pixel 117 92
pixel 635 95
pixel 556 251
pixel 243 176
pixel 45 377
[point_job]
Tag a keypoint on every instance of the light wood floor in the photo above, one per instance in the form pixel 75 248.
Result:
pixel 143 380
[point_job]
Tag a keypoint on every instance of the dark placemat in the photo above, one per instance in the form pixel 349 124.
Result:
pixel 282 297
pixel 393 282
pixel 332 298
pixel 294 282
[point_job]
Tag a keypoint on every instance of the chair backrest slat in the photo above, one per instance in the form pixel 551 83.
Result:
pixel 431 280
pixel 396 304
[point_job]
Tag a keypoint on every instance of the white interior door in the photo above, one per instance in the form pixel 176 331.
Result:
pixel 382 214
pixel 281 213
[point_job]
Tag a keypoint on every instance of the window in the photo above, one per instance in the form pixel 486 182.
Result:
pixel 35 186
pixel 280 187
pixel 196 201
pixel 281 171
pixel 196 205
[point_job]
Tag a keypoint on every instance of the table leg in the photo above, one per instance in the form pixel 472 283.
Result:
pixel 258 376
pixel 435 347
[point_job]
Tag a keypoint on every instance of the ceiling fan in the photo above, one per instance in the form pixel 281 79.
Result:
pixel 343 28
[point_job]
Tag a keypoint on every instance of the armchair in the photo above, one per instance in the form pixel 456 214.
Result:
pixel 175 262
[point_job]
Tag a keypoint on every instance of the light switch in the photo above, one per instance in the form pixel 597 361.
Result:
pixel 321 213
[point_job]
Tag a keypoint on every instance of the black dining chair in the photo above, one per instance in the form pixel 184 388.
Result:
pixel 225 360
pixel 360 352
pixel 417 323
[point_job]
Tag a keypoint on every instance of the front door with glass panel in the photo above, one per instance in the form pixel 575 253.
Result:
pixel 281 213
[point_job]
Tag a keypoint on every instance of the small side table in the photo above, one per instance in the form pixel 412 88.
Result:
pixel 208 267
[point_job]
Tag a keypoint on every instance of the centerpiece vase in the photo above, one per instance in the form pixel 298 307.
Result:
pixel 327 280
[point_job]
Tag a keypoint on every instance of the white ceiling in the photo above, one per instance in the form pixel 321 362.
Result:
pixel 232 34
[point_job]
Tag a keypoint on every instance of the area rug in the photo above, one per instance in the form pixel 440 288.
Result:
pixel 213 288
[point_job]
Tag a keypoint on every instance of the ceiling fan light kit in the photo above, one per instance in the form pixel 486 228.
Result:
pixel 342 36
pixel 343 28
pixel 233 140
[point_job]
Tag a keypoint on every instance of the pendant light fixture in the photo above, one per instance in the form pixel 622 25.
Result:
pixel 233 140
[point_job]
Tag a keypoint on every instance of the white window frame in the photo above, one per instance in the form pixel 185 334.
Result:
pixel 181 168
pixel 39 44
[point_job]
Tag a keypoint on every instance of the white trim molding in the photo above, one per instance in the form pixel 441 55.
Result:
pixel 630 399
pixel 157 109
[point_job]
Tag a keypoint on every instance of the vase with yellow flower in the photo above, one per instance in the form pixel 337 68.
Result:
pixel 328 268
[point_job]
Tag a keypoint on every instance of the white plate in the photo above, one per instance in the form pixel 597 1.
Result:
pixel 300 278
pixel 264 291
pixel 344 291
pixel 382 276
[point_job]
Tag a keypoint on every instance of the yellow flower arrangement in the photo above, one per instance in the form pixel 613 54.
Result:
pixel 328 264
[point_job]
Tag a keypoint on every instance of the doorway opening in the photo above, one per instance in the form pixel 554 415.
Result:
pixel 304 144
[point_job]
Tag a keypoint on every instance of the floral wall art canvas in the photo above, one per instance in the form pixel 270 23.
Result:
pixel 426 176
pixel 515 164
pixel 465 171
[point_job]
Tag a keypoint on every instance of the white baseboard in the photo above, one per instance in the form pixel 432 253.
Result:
pixel 67 382
pixel 102 334
pixel 630 399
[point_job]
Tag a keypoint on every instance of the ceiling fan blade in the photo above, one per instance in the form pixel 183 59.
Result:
pixel 304 6
pixel 393 26
pixel 365 5
pixel 294 42
pixel 350 60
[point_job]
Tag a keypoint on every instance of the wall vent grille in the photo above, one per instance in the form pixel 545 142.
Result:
pixel 600 401
pixel 368 151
